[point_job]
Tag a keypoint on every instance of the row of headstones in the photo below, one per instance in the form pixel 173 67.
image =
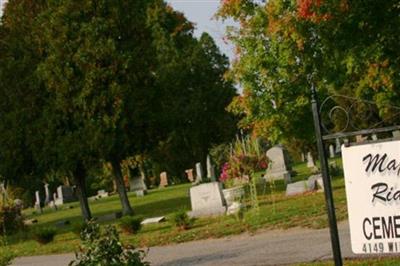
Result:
pixel 195 179
pixel 333 151
pixel 64 194
pixel 315 182
pixel 209 198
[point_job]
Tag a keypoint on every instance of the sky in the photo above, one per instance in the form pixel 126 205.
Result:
pixel 201 12
pixel 2 2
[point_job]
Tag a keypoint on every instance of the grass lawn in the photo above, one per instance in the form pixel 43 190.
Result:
pixel 276 211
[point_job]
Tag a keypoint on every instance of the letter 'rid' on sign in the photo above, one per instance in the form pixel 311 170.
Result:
pixel 372 179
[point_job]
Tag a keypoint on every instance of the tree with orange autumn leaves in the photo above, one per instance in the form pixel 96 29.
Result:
pixel 349 47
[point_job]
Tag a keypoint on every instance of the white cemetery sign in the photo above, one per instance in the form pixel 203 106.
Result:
pixel 372 179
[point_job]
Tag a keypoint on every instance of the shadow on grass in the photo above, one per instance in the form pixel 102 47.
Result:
pixel 160 207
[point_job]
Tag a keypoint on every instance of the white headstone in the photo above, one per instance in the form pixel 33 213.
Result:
pixel 374 137
pixel 140 193
pixel 310 160
pixel 137 184
pixel 297 188
pixel 360 138
pixel 210 169
pixel 153 220
pixel 207 200
pixel 37 201
pixel 338 147
pixel 3 190
pixel 279 164
pixel 331 151
pixel 102 194
pixel 396 134
pixel 65 194
pixel 47 194
pixel 199 173
pixel 315 182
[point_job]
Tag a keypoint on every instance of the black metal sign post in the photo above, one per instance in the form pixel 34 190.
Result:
pixel 325 177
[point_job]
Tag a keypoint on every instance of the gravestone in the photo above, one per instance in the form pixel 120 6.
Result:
pixel 3 190
pixel 140 193
pixel 315 182
pixel 102 194
pixel 47 194
pixel 301 187
pixel 338 148
pixel 278 167
pixel 138 186
pixel 210 169
pixel 360 138
pixel 296 188
pixel 65 194
pixel 52 203
pixel 374 137
pixel 331 151
pixel 199 173
pixel 163 179
pixel 153 220
pixel 207 200
pixel 37 201
pixel 310 160
pixel 396 134
pixel 189 174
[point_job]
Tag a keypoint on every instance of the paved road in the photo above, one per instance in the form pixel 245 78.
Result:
pixel 278 247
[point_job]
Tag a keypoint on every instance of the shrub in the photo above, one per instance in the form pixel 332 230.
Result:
pixel 335 170
pixel 182 220
pixel 105 249
pixel 11 219
pixel 44 235
pixel 78 228
pixel 131 224
pixel 6 257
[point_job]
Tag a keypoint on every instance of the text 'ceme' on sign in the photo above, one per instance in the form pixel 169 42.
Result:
pixel 372 179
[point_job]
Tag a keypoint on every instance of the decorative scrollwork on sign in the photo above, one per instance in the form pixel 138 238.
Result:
pixel 341 113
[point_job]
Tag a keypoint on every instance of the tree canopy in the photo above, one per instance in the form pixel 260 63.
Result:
pixel 101 82
pixel 346 47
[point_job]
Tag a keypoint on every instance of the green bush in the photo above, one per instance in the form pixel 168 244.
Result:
pixel 6 257
pixel 335 170
pixel 11 219
pixel 131 224
pixel 182 220
pixel 78 228
pixel 44 235
pixel 105 249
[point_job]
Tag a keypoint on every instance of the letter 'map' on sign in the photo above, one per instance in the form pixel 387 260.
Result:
pixel 371 174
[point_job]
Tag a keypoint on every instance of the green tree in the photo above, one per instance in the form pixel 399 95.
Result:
pixel 196 95
pixel 347 46
pixel 98 71
pixel 22 94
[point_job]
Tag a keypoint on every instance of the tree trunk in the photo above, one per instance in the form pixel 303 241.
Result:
pixel 79 176
pixel 126 206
